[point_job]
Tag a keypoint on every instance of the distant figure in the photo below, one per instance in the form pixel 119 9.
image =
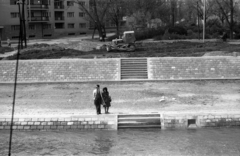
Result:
pixel 224 37
pixel 9 42
pixel 97 99
pixel 103 37
pixel 106 100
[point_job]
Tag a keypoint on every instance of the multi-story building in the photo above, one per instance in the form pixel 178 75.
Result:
pixel 44 18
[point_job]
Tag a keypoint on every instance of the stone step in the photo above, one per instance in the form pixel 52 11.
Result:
pixel 134 66
pixel 134 74
pixel 134 69
pixel 139 126
pixel 138 115
pixel 138 118
pixel 139 122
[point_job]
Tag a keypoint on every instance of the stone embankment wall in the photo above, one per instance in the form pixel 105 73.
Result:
pixel 110 122
pixel 194 68
pixel 83 122
pixel 80 70
pixel 62 70
pixel 200 121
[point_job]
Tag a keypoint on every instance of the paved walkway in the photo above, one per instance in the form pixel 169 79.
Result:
pixel 74 113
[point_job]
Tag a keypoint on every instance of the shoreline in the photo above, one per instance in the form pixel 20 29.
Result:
pixel 113 121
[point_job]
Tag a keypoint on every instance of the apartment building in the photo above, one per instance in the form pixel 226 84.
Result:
pixel 44 18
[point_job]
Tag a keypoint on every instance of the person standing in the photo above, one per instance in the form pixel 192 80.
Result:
pixel 8 42
pixel 106 100
pixel 97 99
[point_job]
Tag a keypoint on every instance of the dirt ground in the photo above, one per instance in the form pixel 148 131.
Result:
pixel 222 96
pixel 87 50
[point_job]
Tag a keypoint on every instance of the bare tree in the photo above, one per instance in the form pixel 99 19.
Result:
pixel 173 6
pixel 227 9
pixel 116 13
pixel 144 10
pixel 96 13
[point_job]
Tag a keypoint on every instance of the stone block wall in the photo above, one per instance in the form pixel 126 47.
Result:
pixel 193 68
pixel 63 70
pixel 200 121
pixel 80 70
pixel 219 120
pixel 108 122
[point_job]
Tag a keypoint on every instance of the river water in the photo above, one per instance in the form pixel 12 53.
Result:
pixel 213 142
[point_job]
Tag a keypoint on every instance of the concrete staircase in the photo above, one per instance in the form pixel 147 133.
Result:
pixel 139 121
pixel 134 69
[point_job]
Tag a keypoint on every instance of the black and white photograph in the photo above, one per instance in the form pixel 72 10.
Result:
pixel 119 77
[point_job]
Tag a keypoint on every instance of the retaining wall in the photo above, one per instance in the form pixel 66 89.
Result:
pixel 110 122
pixel 194 68
pixel 61 70
pixel 80 70
pixel 83 122
pixel 200 121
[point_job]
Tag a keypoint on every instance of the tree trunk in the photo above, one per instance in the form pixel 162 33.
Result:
pixel 100 31
pixel 93 32
pixel 24 24
pixel 20 32
pixel 173 12
pixel 225 14
pixel 117 28
pixel 231 23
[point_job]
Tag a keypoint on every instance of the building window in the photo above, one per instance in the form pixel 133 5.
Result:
pixel 14 15
pixel 70 3
pixel 59 25
pixel 13 2
pixel 31 36
pixel 15 27
pixel 71 25
pixel 70 14
pixel 31 27
pixel 81 14
pixel 47 26
pixel 46 14
pixel 47 35
pixel 15 37
pixel 81 3
pixel 82 25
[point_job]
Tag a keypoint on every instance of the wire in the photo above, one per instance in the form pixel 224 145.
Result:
pixel 15 83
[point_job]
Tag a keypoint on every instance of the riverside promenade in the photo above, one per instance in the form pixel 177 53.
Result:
pixel 163 92
pixel 69 106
